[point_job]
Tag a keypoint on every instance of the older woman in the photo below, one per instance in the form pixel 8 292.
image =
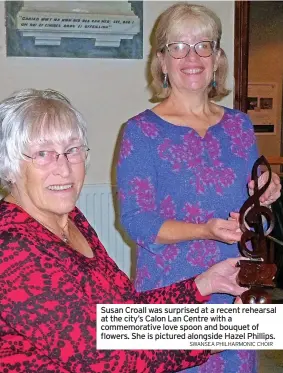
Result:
pixel 185 165
pixel 53 268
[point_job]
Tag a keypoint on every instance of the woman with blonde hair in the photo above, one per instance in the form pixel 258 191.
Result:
pixel 184 167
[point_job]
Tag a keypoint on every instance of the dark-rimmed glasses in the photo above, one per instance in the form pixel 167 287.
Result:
pixel 180 49
pixel 42 158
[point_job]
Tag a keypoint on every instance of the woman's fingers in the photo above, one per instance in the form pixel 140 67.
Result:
pixel 238 300
pixel 273 191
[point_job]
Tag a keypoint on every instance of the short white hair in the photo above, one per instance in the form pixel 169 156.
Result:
pixel 33 116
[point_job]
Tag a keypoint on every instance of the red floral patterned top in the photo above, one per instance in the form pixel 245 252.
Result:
pixel 48 297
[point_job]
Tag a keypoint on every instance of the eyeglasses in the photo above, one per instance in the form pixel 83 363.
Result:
pixel 180 49
pixel 42 158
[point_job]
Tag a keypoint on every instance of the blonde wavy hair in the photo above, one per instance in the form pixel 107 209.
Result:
pixel 200 21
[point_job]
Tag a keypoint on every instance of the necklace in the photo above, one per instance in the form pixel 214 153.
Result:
pixel 62 235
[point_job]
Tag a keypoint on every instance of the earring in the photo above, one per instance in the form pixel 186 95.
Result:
pixel 214 82
pixel 165 81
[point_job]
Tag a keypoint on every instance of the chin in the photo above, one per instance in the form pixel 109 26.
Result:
pixel 62 208
pixel 197 87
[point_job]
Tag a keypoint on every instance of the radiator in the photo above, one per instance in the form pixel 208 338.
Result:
pixel 97 203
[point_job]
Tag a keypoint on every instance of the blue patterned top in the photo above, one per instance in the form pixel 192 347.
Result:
pixel 167 172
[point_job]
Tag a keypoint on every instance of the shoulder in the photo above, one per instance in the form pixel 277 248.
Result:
pixel 17 242
pixel 82 223
pixel 236 113
pixel 143 116
pixel 237 116
pixel 13 222
pixel 10 213
pixel 146 125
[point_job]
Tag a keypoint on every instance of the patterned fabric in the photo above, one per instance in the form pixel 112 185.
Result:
pixel 170 172
pixel 48 297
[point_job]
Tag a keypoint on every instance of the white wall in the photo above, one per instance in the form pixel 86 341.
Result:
pixel 106 91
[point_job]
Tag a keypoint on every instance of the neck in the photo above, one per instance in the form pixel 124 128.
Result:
pixel 190 102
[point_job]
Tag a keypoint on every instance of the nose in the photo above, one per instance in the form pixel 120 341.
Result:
pixel 63 166
pixel 192 54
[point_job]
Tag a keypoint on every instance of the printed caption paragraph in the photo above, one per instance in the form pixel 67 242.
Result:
pixel 197 327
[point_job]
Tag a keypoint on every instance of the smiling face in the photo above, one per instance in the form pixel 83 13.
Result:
pixel 191 73
pixel 53 188
pixel 47 182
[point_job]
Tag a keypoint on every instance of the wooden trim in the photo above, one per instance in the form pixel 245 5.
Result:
pixel 275 160
pixel 241 54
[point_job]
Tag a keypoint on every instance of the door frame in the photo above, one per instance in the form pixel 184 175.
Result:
pixel 241 54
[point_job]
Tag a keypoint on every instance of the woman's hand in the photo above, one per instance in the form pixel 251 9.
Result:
pixel 273 191
pixel 220 278
pixel 234 216
pixel 227 231
pixel 238 300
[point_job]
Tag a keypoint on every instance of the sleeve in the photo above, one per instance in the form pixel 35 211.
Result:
pixel 184 292
pixel 137 186
pixel 46 308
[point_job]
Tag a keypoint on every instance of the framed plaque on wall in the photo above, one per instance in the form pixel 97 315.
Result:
pixel 75 29
pixel 264 107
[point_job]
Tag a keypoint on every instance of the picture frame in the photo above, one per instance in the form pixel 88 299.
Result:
pixel 74 29
pixel 262 107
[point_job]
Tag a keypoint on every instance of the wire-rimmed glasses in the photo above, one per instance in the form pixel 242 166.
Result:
pixel 42 158
pixel 180 49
